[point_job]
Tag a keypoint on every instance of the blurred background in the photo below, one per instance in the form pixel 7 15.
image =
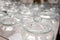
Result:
pixel 52 2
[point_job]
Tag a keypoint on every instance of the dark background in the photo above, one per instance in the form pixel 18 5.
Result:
pixel 58 37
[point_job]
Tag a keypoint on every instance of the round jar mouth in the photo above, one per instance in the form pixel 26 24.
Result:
pixel 9 21
pixel 41 27
pixel 36 31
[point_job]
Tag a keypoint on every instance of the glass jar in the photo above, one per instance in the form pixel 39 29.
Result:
pixel 28 22
pixel 41 20
pixel 8 25
pixel 10 22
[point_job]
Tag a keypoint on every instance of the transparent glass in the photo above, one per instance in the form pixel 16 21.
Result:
pixel 41 20
pixel 30 36
pixel 9 19
pixel 20 21
pixel 8 25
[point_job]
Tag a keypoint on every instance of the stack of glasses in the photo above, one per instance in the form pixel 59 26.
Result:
pixel 28 22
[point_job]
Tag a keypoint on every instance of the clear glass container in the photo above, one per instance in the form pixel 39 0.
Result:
pixel 20 21
pixel 40 20
pixel 8 25
pixel 9 19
